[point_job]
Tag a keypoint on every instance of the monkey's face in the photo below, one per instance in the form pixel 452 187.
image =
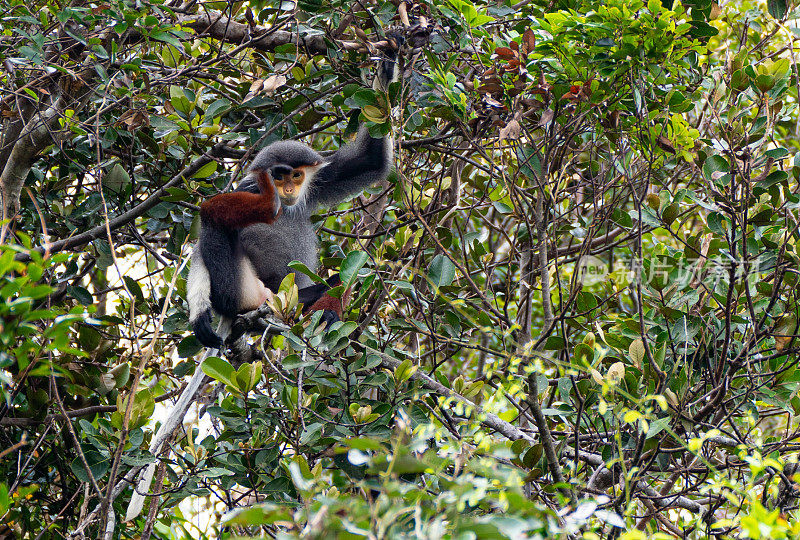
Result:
pixel 292 182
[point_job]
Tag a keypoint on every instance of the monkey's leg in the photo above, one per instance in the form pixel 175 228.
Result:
pixel 252 291
pixel 222 257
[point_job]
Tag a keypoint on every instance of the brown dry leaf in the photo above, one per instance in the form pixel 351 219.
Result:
pixel 784 332
pixel 492 102
pixel 402 10
pixel 528 41
pixel 612 120
pixel 255 88
pixel 511 130
pixel 490 87
pixel 360 33
pixel 504 53
pixel 665 144
pixel 272 83
pixel 134 118
pixel 547 117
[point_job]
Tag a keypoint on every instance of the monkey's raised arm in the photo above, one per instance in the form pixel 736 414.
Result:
pixel 367 160
pixel 356 166
pixel 304 178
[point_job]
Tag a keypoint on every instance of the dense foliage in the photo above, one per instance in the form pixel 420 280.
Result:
pixel 574 306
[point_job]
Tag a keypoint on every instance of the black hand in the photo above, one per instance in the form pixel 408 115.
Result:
pixel 328 318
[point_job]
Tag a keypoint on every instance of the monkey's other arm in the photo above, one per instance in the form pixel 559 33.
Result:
pixel 367 160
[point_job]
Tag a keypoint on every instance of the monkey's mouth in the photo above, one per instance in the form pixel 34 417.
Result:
pixel 289 201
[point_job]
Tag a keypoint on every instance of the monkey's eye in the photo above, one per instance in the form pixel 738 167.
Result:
pixel 297 174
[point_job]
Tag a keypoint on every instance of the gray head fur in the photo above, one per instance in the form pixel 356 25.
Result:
pixel 292 153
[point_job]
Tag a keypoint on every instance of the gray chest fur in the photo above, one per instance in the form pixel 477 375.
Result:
pixel 272 247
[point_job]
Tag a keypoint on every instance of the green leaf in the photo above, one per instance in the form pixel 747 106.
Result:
pixel 702 29
pixel 218 108
pixel 4 498
pixel 777 153
pixel 206 170
pixel 116 179
pixel 176 194
pixel 121 374
pixel 303 269
pixel 98 465
pixel 179 100
pixel 219 369
pixel 442 271
pixel 351 264
pixel 141 409
pixel 374 114
pixel 404 371
pixel 361 443
pixel 670 213
pixel 167 36
pixel 775 177
pixel 248 376
pixel 778 8
pixel 637 352
pixel 189 346
pixel 657 426
pixel 715 164
pixel 262 514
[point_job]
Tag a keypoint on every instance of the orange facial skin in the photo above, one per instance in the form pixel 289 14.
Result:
pixel 290 185
pixel 239 209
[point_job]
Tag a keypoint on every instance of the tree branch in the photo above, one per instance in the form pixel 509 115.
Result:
pixel 491 421
pixel 125 218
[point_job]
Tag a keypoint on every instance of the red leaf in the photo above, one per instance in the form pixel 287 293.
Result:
pixel 528 41
pixel 490 88
pixel 504 52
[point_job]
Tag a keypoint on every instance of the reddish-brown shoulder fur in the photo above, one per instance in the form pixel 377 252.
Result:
pixel 239 209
